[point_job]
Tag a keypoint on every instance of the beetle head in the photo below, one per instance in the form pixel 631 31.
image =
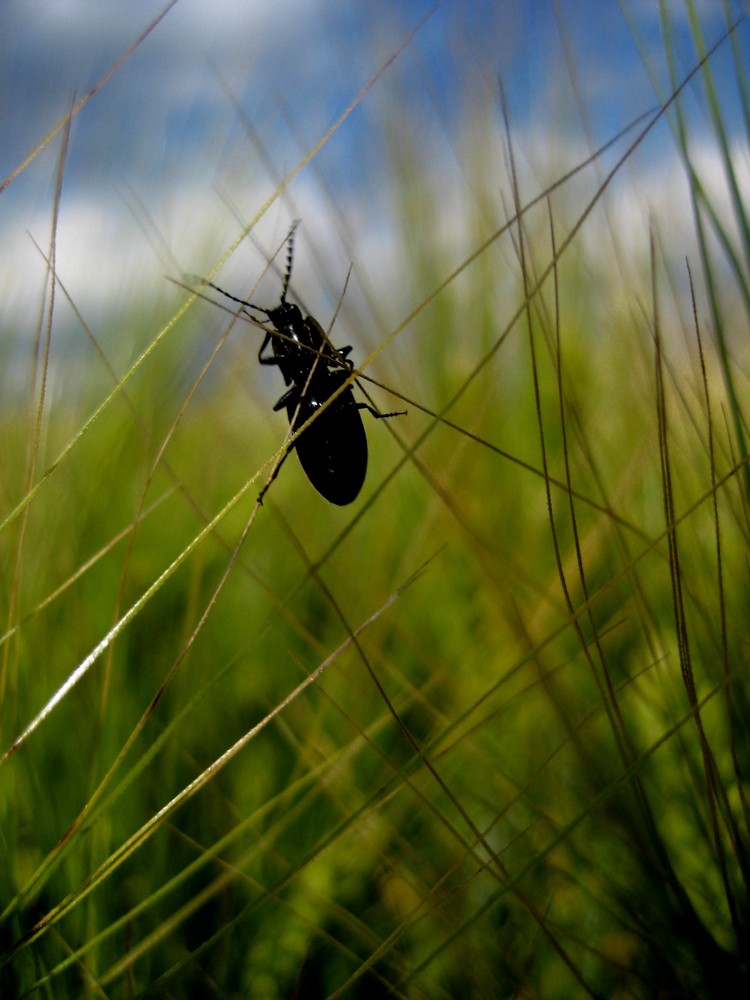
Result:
pixel 286 317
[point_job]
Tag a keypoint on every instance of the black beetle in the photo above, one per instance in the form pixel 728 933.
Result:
pixel 333 449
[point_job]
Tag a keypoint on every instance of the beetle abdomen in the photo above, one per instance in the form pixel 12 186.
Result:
pixel 333 451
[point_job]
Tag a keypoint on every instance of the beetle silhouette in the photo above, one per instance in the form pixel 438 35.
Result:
pixel 333 448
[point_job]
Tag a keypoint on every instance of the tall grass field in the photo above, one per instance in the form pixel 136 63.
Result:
pixel 484 732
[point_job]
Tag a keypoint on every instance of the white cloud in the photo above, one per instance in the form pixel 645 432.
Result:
pixel 170 137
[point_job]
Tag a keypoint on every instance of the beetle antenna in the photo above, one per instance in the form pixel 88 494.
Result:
pixel 289 260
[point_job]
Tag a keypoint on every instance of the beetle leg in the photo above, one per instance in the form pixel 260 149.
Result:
pixel 272 360
pixel 275 474
pixel 343 356
pixel 286 398
pixel 377 414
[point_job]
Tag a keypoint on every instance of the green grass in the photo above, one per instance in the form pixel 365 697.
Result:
pixel 484 733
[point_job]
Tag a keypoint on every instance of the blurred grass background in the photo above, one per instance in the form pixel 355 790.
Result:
pixel 520 768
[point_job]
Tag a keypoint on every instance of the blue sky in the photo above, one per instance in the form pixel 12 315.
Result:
pixel 162 146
